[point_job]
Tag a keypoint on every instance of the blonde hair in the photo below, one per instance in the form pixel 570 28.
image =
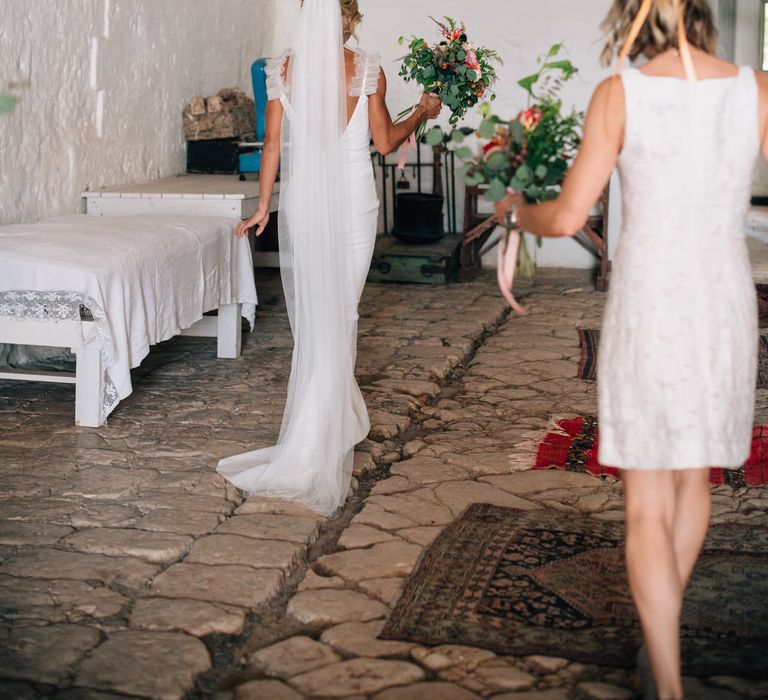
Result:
pixel 351 11
pixel 659 33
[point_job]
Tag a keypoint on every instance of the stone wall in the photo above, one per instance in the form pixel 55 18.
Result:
pixel 104 85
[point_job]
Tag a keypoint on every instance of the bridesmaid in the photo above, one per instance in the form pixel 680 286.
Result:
pixel 678 356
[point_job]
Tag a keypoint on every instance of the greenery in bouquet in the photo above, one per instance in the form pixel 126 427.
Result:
pixel 7 102
pixel 460 73
pixel 531 153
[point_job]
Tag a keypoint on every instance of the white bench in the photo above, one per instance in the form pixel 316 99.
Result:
pixel 89 377
pixel 143 279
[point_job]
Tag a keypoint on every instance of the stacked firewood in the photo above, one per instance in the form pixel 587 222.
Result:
pixel 229 114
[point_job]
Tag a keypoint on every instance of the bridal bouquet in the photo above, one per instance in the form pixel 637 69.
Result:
pixel 530 153
pixel 456 70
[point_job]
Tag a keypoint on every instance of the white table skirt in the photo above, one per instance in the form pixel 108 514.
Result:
pixel 143 278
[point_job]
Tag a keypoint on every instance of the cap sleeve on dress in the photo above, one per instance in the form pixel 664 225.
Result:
pixel 367 69
pixel 275 72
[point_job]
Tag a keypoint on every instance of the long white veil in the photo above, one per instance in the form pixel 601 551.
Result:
pixel 325 414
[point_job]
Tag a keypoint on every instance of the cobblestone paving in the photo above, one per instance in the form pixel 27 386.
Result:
pixel 128 568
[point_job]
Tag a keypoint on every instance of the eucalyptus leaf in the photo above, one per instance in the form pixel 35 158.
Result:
pixel 541 172
pixel 473 179
pixel 524 173
pixel 472 76
pixel 434 136
pixel 463 152
pixel 517 131
pixel 497 161
pixel 458 136
pixel 497 190
pixel 487 129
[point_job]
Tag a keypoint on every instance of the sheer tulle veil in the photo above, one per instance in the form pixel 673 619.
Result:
pixel 324 415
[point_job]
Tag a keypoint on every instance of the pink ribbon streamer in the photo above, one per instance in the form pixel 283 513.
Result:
pixel 505 269
pixel 410 144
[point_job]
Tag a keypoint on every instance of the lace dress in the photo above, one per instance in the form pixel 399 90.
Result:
pixel 678 352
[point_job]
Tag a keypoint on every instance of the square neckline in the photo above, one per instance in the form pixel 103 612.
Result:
pixel 735 76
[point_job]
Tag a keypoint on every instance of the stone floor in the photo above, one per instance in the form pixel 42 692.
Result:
pixel 128 568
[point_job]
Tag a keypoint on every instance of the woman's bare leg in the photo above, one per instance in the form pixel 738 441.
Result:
pixel 654 572
pixel 693 507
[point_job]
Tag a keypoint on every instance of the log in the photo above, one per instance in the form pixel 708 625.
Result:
pixel 230 114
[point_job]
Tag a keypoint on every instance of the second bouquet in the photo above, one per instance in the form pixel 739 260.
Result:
pixel 530 153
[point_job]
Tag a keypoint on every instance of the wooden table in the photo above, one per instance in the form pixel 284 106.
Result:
pixel 479 227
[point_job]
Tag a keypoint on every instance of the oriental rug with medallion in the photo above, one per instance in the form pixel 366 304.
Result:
pixel 551 583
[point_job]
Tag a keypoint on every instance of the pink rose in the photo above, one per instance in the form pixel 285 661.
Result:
pixel 472 63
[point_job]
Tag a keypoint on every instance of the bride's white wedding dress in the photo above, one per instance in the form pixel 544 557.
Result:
pixel 328 220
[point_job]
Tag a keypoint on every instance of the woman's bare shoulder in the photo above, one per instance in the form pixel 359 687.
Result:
pixel 762 80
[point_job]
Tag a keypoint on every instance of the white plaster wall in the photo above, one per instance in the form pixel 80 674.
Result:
pixel 107 82
pixel 520 30
pixel 748 53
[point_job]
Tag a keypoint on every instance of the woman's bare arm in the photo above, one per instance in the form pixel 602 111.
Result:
pixel 586 180
pixel 762 92
pixel 387 135
pixel 270 162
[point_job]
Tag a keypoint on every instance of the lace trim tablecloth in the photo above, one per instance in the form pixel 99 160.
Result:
pixel 64 306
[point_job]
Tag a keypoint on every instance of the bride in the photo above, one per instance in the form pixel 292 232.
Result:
pixel 325 103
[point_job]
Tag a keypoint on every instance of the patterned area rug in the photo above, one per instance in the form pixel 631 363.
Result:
pixel 544 582
pixel 762 304
pixel 589 340
pixel 573 446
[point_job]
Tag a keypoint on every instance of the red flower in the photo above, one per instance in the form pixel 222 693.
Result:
pixel 529 118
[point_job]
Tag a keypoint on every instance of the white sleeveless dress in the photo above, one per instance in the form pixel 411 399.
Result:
pixel 304 467
pixel 678 349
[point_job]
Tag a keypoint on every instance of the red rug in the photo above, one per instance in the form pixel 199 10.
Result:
pixel 573 447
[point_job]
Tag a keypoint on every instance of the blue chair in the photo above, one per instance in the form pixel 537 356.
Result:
pixel 250 159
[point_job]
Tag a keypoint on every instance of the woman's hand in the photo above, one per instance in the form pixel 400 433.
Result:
pixel 430 106
pixel 504 206
pixel 260 220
